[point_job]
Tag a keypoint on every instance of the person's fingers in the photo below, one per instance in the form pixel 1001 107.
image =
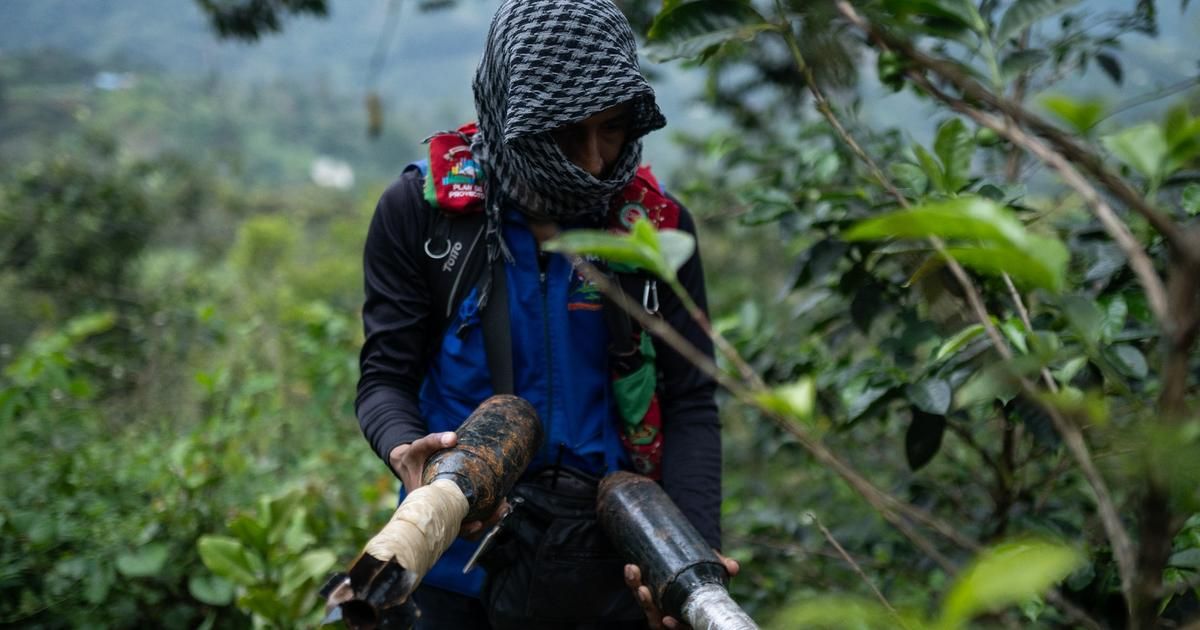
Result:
pixel 633 576
pixel 669 622
pixel 471 530
pixel 647 602
pixel 422 448
pixel 732 567
pixel 501 510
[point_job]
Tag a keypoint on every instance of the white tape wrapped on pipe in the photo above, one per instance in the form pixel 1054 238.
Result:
pixel 422 528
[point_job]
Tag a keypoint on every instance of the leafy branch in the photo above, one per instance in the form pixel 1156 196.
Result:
pixel 1178 312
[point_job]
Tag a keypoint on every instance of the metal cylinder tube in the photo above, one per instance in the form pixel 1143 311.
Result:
pixel 495 445
pixel 680 568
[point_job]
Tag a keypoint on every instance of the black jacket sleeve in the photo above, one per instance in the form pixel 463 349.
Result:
pixel 397 320
pixel 691 463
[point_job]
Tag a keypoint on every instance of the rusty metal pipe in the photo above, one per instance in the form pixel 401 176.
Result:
pixel 685 576
pixel 495 446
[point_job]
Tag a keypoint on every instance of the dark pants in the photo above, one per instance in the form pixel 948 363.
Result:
pixel 447 610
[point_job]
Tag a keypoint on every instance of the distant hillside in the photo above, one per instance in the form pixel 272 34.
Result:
pixel 426 81
pixel 436 52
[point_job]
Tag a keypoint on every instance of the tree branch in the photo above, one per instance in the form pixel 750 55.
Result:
pixel 857 569
pixel 895 511
pixel 1184 304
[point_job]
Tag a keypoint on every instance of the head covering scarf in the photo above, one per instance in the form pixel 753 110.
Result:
pixel 550 63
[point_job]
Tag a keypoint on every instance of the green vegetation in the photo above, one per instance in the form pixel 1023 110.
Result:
pixel 179 360
pixel 960 388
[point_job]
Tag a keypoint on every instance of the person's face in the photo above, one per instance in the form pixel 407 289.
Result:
pixel 594 143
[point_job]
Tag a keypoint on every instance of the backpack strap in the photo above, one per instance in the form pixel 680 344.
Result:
pixel 457 258
pixel 497 332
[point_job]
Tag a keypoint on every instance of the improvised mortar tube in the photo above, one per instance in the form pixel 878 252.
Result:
pixel 684 574
pixel 463 483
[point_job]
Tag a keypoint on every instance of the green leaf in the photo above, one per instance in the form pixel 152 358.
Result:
pixel 308 567
pixel 1070 369
pixel 1024 13
pixel 264 602
pixel 954 146
pixel 677 247
pixel 619 249
pixel 1007 574
pixel 993 382
pixel 933 170
pixel 939 16
pixel 144 562
pixel 956 343
pixel 611 247
pixel 1082 116
pixel 1143 147
pixel 838 611
pixel 661 252
pixel 1191 199
pixel 89 325
pixel 1045 345
pixel 1187 559
pixel 1128 360
pixel 1085 318
pixel 1004 243
pixel 909 177
pixel 692 29
pixel 1022 61
pixel 931 396
pixel 227 558
pixel 1183 138
pixel 211 589
pixel 766 205
pixel 795 400
pixel 97 584
pixel 923 438
pixel 1114 318
pixel 1047 271
pixel 965 217
pixel 1014 332
pixel 250 532
pixel 297 537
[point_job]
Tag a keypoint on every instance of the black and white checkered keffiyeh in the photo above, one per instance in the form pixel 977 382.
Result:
pixel 550 63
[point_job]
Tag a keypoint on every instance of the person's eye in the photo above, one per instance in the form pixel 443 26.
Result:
pixel 617 124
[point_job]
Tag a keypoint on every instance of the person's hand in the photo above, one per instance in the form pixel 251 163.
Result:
pixel 656 618
pixel 473 530
pixel 408 460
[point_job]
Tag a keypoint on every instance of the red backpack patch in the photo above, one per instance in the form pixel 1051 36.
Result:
pixel 455 180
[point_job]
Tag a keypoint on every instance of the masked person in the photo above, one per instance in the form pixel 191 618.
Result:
pixel 562 107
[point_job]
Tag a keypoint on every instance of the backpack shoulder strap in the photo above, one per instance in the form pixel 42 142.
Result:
pixel 455 251
pixel 457 257
pixel 497 333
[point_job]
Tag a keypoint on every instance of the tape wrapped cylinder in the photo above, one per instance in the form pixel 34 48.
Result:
pixel 422 528
pixel 464 483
